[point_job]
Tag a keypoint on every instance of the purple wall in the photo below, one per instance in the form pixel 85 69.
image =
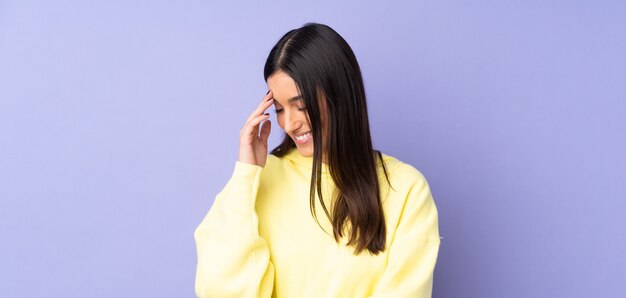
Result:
pixel 119 123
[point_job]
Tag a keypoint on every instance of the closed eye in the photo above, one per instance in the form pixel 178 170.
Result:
pixel 281 110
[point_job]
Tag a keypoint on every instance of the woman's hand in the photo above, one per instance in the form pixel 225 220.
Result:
pixel 252 145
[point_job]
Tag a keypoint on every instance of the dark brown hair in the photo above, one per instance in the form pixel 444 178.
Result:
pixel 319 60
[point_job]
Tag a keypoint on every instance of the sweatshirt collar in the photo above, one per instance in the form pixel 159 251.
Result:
pixel 306 162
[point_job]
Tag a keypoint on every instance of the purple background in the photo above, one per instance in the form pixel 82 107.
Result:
pixel 119 123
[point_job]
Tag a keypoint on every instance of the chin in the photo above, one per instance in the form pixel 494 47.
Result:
pixel 306 151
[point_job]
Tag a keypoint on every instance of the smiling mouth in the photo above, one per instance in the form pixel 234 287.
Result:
pixel 303 138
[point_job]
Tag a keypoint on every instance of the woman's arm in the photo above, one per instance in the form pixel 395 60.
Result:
pixel 233 260
pixel 415 246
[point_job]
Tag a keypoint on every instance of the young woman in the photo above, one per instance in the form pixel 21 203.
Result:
pixel 263 237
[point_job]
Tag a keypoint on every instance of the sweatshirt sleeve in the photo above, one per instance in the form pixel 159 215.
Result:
pixel 414 249
pixel 233 260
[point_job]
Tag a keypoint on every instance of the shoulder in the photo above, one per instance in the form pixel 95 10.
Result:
pixel 402 174
pixel 407 190
pixel 410 210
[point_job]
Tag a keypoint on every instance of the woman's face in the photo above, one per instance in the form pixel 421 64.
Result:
pixel 292 115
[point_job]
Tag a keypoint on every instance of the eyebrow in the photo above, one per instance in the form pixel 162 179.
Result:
pixel 295 98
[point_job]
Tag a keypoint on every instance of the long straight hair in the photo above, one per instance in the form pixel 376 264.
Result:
pixel 323 66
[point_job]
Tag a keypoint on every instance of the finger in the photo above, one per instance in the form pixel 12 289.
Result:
pixel 261 109
pixel 265 103
pixel 252 126
pixel 266 127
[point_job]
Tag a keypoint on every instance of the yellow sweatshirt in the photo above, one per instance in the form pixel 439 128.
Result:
pixel 259 238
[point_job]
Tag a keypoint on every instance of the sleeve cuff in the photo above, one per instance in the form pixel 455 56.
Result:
pixel 245 170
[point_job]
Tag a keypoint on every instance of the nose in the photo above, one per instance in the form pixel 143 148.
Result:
pixel 292 121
